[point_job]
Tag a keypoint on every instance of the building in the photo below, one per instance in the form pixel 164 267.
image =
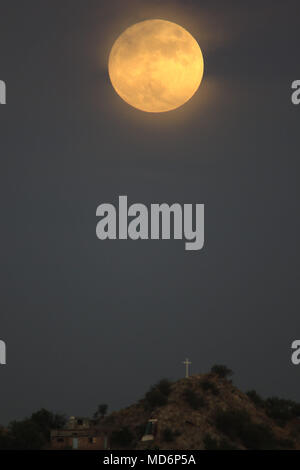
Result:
pixel 79 434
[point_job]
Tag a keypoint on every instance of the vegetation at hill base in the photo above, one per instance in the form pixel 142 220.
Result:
pixel 204 411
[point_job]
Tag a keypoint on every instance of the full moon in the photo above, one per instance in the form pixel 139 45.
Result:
pixel 156 66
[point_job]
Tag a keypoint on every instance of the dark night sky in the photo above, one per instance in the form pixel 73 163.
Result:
pixel 87 321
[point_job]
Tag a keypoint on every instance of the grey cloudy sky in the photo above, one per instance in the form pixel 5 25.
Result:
pixel 88 321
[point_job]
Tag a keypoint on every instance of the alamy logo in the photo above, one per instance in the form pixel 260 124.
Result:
pixel 2 92
pixel 296 93
pixel 160 222
pixel 2 353
pixel 296 352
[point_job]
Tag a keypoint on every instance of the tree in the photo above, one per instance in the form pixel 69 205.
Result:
pixel 26 435
pixel 46 421
pixel 101 411
pixel 221 371
pixel 164 386
pixel 255 398
pixel 237 425
pixel 32 433
pixel 193 399
pixel 168 435
pixel 154 398
pixel 281 410
pixel 122 438
pixel 209 386
pixel 158 394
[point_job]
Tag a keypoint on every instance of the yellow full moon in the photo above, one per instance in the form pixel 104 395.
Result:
pixel 156 66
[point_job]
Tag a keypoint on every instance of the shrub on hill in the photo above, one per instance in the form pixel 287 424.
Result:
pixel 122 438
pixel 193 399
pixel 221 371
pixel 212 444
pixel 281 410
pixel 164 386
pixel 278 409
pixel 209 386
pixel 158 394
pixel 255 398
pixel 238 426
pixel 168 435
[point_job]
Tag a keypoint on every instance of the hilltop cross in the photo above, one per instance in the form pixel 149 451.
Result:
pixel 187 363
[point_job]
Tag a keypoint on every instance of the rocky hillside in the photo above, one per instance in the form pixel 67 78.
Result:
pixel 205 412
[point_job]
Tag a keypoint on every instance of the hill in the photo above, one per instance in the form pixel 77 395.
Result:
pixel 205 412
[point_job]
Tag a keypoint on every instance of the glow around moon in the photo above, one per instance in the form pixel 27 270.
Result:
pixel 156 66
